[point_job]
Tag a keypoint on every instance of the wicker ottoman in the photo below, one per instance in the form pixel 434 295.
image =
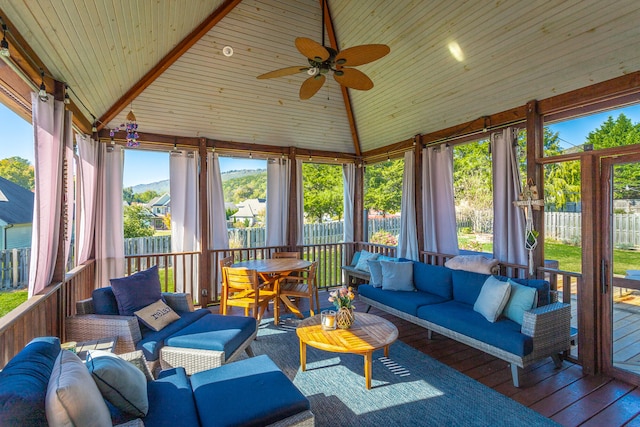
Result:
pixel 209 342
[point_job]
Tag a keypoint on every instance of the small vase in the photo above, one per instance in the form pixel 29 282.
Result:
pixel 345 318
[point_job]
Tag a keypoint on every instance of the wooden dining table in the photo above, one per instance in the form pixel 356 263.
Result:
pixel 271 271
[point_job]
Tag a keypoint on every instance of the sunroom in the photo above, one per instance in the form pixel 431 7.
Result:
pixel 496 75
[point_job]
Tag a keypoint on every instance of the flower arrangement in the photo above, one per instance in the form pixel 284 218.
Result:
pixel 342 297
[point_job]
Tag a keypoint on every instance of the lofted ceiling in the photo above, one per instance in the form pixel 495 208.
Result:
pixel 511 52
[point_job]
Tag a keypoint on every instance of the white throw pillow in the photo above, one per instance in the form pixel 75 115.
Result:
pixel 473 263
pixel 73 399
pixel 492 299
pixel 157 315
pixel 119 381
pixel 397 276
pixel 362 261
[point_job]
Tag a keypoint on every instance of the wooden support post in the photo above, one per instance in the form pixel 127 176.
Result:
pixel 204 271
pixel 535 171
pixel 60 268
pixel 417 149
pixel 590 325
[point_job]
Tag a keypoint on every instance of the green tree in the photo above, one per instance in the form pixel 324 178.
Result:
pixel 127 195
pixel 252 186
pixel 617 133
pixel 472 180
pixel 383 186
pixel 146 196
pixel 322 186
pixel 136 222
pixel 18 170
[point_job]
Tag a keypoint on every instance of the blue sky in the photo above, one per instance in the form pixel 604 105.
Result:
pixel 143 167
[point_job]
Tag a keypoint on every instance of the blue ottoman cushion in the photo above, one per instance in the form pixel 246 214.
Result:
pixel 23 383
pixel 461 318
pixel 407 302
pixel 214 332
pixel 152 341
pixel 171 401
pixel 280 398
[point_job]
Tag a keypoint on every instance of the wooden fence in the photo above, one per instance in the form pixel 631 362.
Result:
pixel 14 268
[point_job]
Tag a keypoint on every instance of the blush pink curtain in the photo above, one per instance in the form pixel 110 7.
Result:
pixel 48 129
pixel 86 194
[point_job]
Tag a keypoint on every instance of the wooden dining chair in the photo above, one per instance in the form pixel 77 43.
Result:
pixel 243 289
pixel 286 255
pixel 224 262
pixel 303 286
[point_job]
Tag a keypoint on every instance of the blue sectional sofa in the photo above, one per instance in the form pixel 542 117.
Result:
pixel 443 301
pixel 250 392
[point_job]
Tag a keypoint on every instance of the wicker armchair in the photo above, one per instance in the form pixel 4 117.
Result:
pixel 87 325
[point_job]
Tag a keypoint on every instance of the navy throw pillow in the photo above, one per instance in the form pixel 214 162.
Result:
pixel 104 301
pixel 23 383
pixel 137 291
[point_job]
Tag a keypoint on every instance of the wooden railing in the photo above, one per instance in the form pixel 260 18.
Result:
pixel 173 268
pixel 44 313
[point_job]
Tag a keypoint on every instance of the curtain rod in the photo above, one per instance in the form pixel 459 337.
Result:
pixel 467 136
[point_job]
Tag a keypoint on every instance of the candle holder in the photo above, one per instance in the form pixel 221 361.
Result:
pixel 328 320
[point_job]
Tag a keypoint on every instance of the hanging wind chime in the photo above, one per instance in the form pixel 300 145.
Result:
pixel 528 200
pixel 131 127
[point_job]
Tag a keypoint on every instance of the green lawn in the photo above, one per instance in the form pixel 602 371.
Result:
pixel 568 256
pixel 11 299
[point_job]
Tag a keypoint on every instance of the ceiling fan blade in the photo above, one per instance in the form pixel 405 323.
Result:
pixel 352 78
pixel 311 49
pixel 362 54
pixel 282 72
pixel 311 86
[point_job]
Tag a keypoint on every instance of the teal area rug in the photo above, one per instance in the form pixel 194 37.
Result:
pixel 408 389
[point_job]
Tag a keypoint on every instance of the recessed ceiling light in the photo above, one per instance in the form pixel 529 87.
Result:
pixel 227 51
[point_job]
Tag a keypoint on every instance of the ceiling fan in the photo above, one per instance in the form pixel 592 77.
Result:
pixel 323 60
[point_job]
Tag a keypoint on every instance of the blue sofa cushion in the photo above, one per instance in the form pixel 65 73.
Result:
pixel 467 285
pixel 407 302
pixel 460 317
pixel 23 383
pixel 214 332
pixel 171 401
pixel 104 301
pixel 433 279
pixel 137 291
pixel 280 398
pixel 152 341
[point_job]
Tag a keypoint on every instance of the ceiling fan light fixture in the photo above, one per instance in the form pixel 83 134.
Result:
pixel 312 71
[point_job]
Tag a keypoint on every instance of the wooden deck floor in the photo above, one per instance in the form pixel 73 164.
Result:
pixel 565 395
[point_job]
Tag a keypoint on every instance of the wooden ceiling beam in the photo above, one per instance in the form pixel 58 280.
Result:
pixel 168 60
pixel 345 92
pixel 168 141
pixel 29 65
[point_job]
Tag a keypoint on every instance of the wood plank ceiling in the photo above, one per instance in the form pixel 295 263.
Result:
pixel 512 51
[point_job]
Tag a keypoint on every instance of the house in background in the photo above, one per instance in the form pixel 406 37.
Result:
pixel 16 215
pixel 159 207
pixel 250 210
